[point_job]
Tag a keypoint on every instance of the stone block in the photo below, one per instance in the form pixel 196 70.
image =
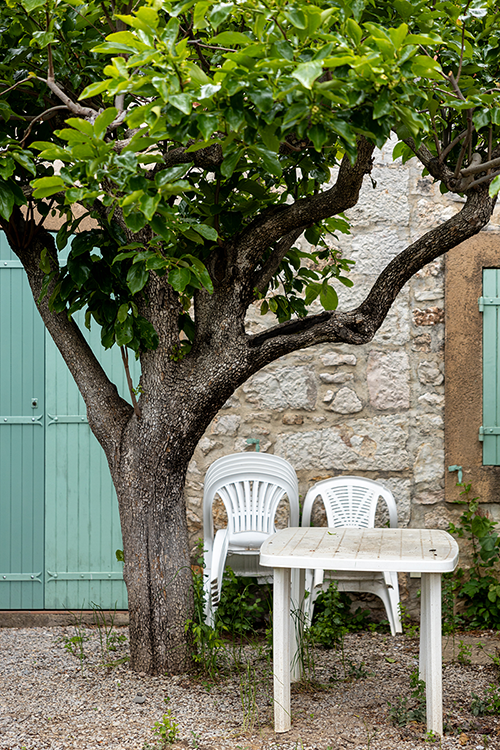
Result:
pixel 433 399
pixel 437 519
pixel 428 317
pixel 377 444
pixel 333 359
pixel 292 419
pixel 429 497
pixel 346 401
pixel 388 379
pixel 429 463
pixel 206 445
pixel 282 388
pixel 421 343
pixel 430 374
pixel 336 377
pixel 228 424
pixel 328 397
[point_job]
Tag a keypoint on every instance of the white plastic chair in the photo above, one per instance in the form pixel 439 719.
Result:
pixel 352 501
pixel 251 486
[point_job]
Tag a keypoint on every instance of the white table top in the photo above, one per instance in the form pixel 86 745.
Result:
pixel 401 550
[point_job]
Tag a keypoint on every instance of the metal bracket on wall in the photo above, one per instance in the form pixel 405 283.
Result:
pixel 87 576
pixel 22 420
pixel 67 419
pixel 488 431
pixel 10 577
pixel 482 301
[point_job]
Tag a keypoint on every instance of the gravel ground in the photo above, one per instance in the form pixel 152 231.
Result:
pixel 50 700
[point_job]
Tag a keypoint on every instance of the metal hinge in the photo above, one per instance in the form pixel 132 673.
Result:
pixel 21 420
pixel 21 577
pixel 67 419
pixel 86 576
pixel 482 301
pixel 488 431
pixel 10 264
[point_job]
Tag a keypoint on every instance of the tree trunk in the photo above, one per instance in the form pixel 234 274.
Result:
pixel 157 568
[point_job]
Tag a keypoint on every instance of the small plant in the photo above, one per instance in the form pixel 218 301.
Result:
pixel 431 736
pixel 410 628
pixel 464 653
pixel 75 643
pixel 109 639
pixel 479 585
pixel 401 713
pixel 165 732
pixel 206 641
pixel 488 704
pixel 356 671
pixel 195 739
pixel 248 697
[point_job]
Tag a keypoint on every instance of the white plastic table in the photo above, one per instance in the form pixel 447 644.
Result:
pixel 426 551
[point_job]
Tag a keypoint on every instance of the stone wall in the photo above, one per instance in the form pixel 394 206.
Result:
pixel 376 410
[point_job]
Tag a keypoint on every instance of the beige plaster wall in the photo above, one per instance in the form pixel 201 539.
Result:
pixel 463 347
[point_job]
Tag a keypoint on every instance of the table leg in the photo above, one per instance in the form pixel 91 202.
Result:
pixel 297 622
pixel 281 649
pixel 432 658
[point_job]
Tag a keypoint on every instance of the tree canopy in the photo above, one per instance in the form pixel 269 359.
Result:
pixel 190 123
pixel 204 140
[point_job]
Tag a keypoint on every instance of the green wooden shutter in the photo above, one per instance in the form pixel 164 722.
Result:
pixel 82 525
pixel 22 439
pixel 489 305
pixel 59 521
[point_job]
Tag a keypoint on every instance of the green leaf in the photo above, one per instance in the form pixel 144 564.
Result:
pixel 24 159
pixel 328 297
pixel 46 186
pixel 44 261
pixel 179 278
pixel 103 121
pixel 219 13
pixel 354 30
pixel 84 126
pixel 184 102
pixel 270 160
pixel 383 105
pixel 494 188
pixel 230 162
pixel 31 5
pixel 124 331
pixel 80 269
pixel 312 291
pixel 296 17
pixel 227 38
pixel 122 312
pixel 94 89
pixel 206 231
pixel 137 277
pixel 306 73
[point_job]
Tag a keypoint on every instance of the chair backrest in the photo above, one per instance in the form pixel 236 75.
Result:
pixel 350 501
pixel 251 486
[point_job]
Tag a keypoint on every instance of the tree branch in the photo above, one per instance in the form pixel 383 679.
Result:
pixel 74 107
pixel 360 325
pixel 264 276
pixel 107 412
pixel 279 221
